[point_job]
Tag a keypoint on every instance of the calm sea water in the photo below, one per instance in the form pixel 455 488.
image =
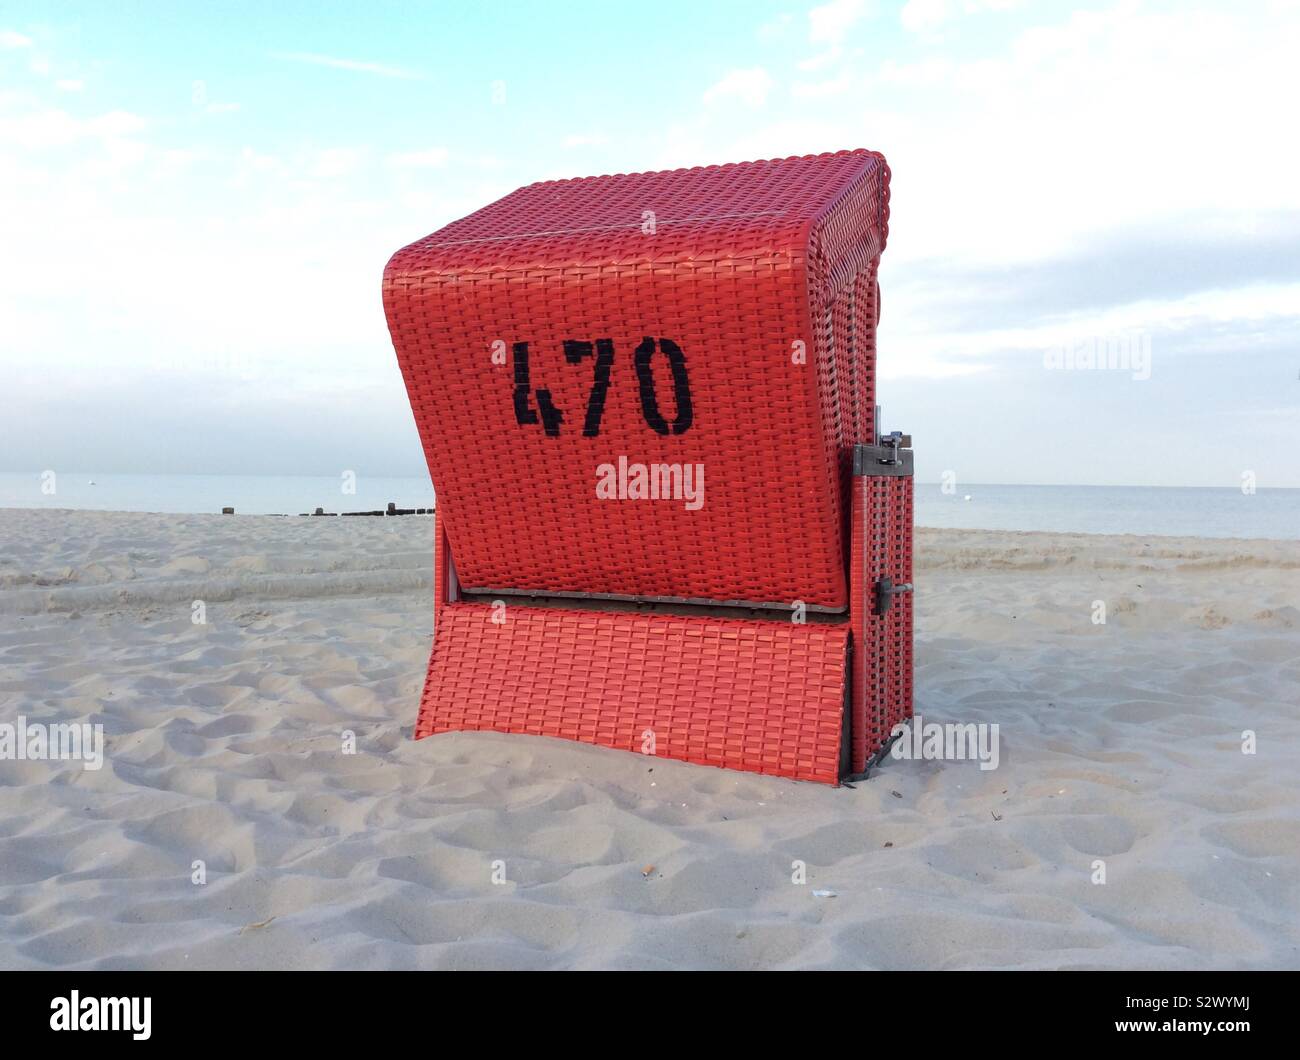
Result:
pixel 1169 511
pixel 1193 512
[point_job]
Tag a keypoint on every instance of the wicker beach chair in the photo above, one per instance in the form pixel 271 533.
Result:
pixel 667 521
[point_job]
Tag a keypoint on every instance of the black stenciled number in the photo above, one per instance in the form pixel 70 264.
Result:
pixel 552 417
pixel 681 386
pixel 574 351
pixel 523 411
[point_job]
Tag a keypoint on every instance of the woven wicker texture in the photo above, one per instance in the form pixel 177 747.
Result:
pixel 715 275
pixel 762 696
pixel 882 654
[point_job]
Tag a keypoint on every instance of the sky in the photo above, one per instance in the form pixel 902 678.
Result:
pixel 197 202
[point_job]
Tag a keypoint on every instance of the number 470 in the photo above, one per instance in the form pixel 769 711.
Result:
pixel 603 349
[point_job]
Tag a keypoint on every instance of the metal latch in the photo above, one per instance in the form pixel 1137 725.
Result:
pixel 885 590
pixel 893 442
pixel 889 454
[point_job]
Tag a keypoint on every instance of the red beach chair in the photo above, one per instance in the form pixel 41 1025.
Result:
pixel 666 521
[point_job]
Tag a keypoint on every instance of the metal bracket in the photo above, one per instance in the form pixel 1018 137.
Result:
pixel 891 457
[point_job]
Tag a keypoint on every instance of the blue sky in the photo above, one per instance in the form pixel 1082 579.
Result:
pixel 198 201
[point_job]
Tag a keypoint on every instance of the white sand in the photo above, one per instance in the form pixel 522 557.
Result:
pixel 1119 742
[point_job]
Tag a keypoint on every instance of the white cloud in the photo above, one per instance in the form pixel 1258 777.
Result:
pixel 333 162
pixel 920 351
pixel 432 158
pixel 750 87
pixel 585 140
pixel 357 65
pixel 835 86
pixel 69 84
pixel 10 39
pixel 189 251
pixel 918 16
pixel 117 123
pixel 1100 122
pixel 41 129
pixel 821 60
pixel 929 16
pixel 829 23
pixel 776 27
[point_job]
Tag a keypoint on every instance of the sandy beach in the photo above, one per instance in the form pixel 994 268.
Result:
pixel 1120 743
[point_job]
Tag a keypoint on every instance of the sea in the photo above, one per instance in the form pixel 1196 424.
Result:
pixel 1142 510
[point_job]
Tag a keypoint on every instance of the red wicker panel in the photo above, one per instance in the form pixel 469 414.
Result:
pixel 762 696
pixel 882 644
pixel 743 261
pixel 897 656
